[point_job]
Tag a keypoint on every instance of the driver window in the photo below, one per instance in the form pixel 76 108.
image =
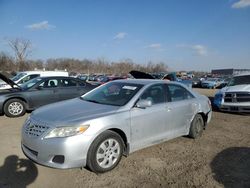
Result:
pixel 179 93
pixel 155 93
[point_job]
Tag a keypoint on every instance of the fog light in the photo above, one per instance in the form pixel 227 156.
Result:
pixel 58 159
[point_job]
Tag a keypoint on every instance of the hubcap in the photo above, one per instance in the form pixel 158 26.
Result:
pixel 15 108
pixel 108 153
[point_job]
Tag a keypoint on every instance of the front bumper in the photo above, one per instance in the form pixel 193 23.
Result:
pixel 71 151
pixel 235 108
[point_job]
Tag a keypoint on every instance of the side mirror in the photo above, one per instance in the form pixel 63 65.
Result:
pixel 144 103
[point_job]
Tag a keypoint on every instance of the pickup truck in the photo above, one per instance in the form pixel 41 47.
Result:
pixel 235 97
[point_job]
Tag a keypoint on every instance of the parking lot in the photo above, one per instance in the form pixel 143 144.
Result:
pixel 220 158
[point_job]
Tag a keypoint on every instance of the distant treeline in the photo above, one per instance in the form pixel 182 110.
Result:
pixel 8 63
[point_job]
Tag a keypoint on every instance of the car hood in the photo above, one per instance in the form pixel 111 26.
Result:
pixel 140 75
pixel 71 112
pixel 237 88
pixel 9 81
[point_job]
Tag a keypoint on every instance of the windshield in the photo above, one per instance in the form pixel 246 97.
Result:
pixel 18 76
pixel 239 80
pixel 113 93
pixel 30 83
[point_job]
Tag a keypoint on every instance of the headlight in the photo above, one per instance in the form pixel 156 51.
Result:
pixel 66 131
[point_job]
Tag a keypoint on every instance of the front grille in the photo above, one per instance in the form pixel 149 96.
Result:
pixel 235 97
pixel 35 128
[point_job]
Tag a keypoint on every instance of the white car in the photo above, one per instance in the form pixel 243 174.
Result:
pixel 23 77
pixel 235 97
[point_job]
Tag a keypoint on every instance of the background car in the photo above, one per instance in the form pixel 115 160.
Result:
pixel 235 97
pixel 170 77
pixel 196 82
pixel 224 82
pixel 115 119
pixel 211 83
pixel 23 77
pixel 105 79
pixel 38 92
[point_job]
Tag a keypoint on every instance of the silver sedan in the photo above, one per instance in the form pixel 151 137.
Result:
pixel 115 119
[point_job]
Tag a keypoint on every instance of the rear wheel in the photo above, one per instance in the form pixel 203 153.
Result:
pixel 105 152
pixel 14 108
pixel 197 127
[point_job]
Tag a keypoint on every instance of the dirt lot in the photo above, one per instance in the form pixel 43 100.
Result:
pixel 220 158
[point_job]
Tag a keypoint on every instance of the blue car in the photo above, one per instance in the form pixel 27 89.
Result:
pixel 211 83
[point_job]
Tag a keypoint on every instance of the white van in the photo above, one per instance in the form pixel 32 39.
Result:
pixel 23 77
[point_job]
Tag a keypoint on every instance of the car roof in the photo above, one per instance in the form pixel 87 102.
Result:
pixel 34 72
pixel 145 81
pixel 45 77
pixel 243 74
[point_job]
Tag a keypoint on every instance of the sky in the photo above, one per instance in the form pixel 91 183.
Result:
pixel 185 34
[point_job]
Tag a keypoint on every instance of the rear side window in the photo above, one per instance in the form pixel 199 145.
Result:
pixel 68 83
pixel 50 83
pixel 179 93
pixel 82 84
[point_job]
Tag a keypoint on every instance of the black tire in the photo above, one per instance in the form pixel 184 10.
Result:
pixel 14 108
pixel 197 127
pixel 93 163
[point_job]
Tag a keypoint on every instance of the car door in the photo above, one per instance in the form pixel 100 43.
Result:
pixel 45 92
pixel 69 88
pixel 148 124
pixel 180 105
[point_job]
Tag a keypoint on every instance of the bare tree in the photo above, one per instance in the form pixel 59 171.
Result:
pixel 21 48
pixel 6 62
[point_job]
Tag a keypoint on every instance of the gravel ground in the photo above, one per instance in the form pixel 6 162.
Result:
pixel 220 158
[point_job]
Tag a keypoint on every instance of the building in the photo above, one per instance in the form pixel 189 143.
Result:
pixel 228 72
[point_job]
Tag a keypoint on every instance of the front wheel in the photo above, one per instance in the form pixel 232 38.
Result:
pixel 105 152
pixel 14 108
pixel 197 127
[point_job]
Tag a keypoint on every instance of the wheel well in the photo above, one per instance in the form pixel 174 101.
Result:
pixel 124 138
pixel 204 117
pixel 20 98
